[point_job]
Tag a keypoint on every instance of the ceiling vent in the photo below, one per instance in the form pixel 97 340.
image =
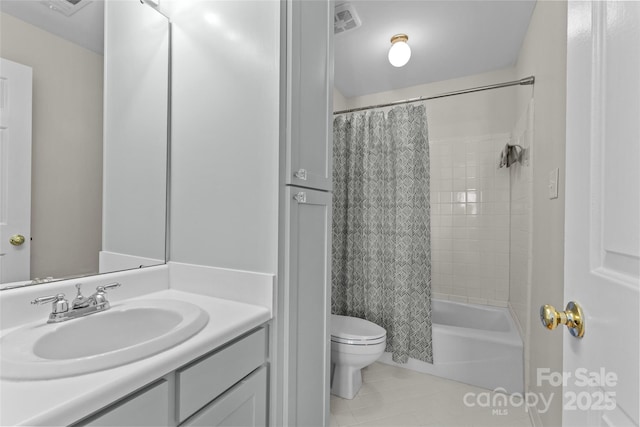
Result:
pixel 66 7
pixel 345 18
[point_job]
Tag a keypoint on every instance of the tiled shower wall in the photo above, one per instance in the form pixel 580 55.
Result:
pixel 470 220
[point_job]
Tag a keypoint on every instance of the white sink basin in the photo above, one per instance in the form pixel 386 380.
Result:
pixel 123 334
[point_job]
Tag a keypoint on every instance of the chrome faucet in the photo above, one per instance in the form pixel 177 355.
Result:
pixel 80 306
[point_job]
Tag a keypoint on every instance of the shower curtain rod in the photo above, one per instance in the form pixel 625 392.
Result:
pixel 522 82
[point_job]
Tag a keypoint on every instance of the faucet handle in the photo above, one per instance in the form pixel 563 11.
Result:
pixel 101 294
pixel 79 299
pixel 50 298
pixel 60 304
pixel 109 286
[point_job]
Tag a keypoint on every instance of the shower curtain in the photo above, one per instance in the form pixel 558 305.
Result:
pixel 381 232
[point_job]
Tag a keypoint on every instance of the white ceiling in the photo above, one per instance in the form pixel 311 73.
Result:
pixel 85 27
pixel 448 39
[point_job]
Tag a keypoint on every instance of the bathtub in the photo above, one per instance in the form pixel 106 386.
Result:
pixel 473 344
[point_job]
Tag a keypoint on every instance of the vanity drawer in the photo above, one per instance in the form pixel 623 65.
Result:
pixel 245 404
pixel 147 407
pixel 209 377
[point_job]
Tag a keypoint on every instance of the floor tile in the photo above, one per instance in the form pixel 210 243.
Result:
pixel 343 420
pixel 402 420
pixel 373 413
pixel 394 397
pixel 339 405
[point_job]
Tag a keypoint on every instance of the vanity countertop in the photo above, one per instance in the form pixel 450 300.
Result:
pixel 66 400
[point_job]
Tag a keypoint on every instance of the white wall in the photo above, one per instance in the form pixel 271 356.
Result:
pixel 544 54
pixel 339 100
pixel 135 133
pixel 481 113
pixel 66 181
pixel 225 133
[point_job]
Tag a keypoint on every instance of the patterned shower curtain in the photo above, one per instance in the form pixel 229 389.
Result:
pixel 381 230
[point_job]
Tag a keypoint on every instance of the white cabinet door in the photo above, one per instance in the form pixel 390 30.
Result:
pixel 602 230
pixel 309 93
pixel 306 301
pixel 244 405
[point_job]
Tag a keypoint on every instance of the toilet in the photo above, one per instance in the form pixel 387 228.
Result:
pixel 355 343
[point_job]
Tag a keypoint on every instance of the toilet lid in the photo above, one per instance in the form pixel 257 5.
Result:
pixel 352 330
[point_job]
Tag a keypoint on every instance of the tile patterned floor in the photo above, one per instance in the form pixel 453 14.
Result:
pixel 394 397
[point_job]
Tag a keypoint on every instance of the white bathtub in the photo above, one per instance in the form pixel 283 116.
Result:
pixel 473 344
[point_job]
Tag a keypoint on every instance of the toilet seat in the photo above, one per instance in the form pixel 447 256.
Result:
pixel 339 340
pixel 355 331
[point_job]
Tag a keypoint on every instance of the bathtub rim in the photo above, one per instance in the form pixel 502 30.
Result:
pixel 510 337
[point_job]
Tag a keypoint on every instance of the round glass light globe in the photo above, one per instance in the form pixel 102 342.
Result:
pixel 399 54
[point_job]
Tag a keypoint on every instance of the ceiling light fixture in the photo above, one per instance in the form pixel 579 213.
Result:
pixel 400 52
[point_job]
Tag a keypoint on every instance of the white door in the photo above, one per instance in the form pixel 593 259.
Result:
pixel 15 171
pixel 602 231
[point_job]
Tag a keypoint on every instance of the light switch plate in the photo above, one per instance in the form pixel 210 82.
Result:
pixel 554 176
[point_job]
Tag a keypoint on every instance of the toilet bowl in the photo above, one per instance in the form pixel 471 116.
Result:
pixel 355 343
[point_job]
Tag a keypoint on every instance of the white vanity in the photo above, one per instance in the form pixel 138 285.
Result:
pixel 227 386
pixel 218 376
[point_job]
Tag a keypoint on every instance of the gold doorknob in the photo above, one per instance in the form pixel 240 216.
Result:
pixel 16 239
pixel 572 317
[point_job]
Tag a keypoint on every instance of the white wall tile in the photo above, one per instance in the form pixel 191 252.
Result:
pixel 470 220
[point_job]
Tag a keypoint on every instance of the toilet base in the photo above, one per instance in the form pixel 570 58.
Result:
pixel 345 381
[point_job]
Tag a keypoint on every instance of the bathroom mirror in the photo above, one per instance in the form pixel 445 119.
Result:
pixel 99 136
